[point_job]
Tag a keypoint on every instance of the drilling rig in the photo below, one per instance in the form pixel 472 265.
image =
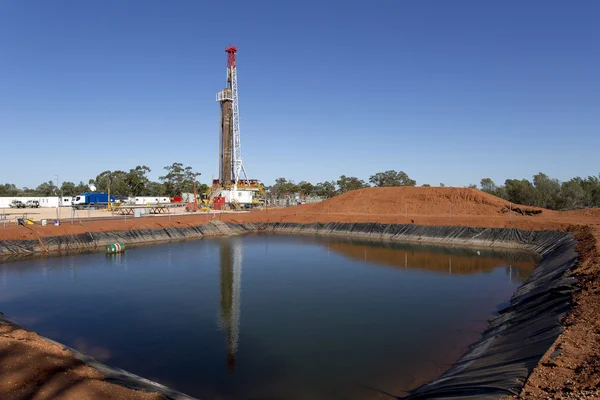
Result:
pixel 233 186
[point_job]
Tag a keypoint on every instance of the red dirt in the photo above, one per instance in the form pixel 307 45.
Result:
pixel 34 368
pixel 573 374
pixel 418 201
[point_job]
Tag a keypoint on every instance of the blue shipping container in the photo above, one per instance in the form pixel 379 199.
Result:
pixel 93 198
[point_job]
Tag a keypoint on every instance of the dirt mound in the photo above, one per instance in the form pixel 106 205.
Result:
pixel 418 201
pixel 586 212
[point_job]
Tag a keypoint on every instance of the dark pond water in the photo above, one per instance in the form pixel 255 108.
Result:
pixel 268 317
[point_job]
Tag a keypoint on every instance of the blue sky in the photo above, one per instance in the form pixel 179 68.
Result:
pixel 446 91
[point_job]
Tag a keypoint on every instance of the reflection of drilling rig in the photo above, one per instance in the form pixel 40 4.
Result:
pixel 230 271
pixel 233 186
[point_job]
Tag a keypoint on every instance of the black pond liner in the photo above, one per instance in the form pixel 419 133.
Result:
pixel 495 366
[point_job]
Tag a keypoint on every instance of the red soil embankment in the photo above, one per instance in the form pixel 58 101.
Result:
pixel 418 201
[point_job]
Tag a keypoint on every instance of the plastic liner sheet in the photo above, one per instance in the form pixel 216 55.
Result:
pixel 92 240
pixel 496 365
pixel 537 241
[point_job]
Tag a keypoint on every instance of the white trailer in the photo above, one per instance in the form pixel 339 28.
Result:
pixel 53 201
pixel 143 200
pixel 66 201
pixel 239 196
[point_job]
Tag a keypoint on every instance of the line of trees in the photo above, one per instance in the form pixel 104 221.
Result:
pixel 344 184
pixel 548 192
pixel 176 180
pixel 543 191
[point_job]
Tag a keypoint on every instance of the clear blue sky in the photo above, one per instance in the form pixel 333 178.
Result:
pixel 447 91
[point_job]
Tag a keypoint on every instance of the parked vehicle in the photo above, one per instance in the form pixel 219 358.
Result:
pixel 92 199
pixel 32 204
pixel 17 204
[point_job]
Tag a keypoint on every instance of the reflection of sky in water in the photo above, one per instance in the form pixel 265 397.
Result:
pixel 309 317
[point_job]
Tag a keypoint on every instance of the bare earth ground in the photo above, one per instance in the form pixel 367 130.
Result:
pixel 573 371
pixel 65 213
pixel 34 368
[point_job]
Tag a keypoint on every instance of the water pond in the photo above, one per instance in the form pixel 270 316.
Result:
pixel 268 317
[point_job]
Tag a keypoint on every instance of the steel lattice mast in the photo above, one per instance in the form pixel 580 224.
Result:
pixel 233 183
pixel 238 166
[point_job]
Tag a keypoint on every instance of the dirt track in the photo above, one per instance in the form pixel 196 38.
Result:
pixel 575 371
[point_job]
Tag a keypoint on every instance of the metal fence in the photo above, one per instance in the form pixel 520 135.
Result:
pixel 289 201
pixel 92 213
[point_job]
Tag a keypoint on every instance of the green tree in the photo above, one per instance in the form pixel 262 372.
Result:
pixel 501 192
pixel 520 191
pixel 572 195
pixel 348 183
pixel 154 189
pixel 279 186
pixel 325 189
pixel 591 187
pixel 284 186
pixel 202 188
pixel 178 179
pixel 28 192
pixel 426 185
pixel 47 189
pixel 488 186
pixel 547 191
pixel 188 181
pixel 306 188
pixel 9 190
pixel 136 180
pixel 115 180
pixel 68 189
pixel 391 178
